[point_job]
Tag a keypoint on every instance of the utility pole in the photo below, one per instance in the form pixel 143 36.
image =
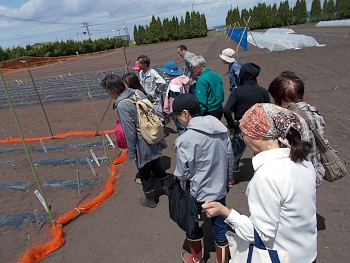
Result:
pixel 87 28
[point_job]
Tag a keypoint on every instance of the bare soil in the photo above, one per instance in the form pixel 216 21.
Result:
pixel 121 230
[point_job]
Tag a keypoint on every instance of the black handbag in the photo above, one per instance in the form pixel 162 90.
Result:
pixel 183 208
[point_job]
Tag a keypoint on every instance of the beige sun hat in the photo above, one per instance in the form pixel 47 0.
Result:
pixel 227 55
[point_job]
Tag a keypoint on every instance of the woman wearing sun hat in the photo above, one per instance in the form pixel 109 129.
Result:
pixel 281 195
pixel 178 85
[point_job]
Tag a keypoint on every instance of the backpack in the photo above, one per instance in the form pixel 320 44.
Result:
pixel 235 76
pixel 119 133
pixel 150 126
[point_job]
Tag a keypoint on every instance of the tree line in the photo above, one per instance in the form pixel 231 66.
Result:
pixel 194 25
pixel 266 16
pixel 63 48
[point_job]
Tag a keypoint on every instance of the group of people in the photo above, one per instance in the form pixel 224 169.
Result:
pixel 287 165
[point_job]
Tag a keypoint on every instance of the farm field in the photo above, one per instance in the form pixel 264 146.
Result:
pixel 121 230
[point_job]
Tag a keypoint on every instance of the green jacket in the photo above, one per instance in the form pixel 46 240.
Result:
pixel 209 91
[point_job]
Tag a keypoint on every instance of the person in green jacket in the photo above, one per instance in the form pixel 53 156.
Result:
pixel 209 89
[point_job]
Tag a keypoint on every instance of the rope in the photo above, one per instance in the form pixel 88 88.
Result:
pixel 25 147
pixel 93 103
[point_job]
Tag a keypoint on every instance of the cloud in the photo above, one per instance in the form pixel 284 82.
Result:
pixel 64 18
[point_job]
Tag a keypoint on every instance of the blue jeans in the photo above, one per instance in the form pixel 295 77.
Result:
pixel 192 89
pixel 217 222
pixel 180 128
pixel 238 147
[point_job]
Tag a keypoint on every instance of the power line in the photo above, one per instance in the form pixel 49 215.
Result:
pixel 35 21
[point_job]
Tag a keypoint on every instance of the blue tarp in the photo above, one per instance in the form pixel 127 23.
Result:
pixel 236 34
pixel 19 220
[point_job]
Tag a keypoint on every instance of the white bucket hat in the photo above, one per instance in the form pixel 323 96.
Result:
pixel 227 55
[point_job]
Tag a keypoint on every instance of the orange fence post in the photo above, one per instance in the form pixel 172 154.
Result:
pixel 345 35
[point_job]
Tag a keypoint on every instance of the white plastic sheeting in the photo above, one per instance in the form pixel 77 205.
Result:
pixel 281 41
pixel 281 30
pixel 343 22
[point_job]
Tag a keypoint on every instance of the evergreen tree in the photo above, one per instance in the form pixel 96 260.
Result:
pixel 152 34
pixel 262 15
pixel 159 30
pixel 342 8
pixel 244 16
pixel 315 14
pixel 331 9
pixel 136 36
pixel 182 28
pixel 166 29
pixel 195 23
pixel 299 12
pixel 3 54
pixel 204 27
pixel 147 40
pixel 229 18
pixel 142 35
pixel 303 12
pixel 254 20
pixel 285 15
pixel 274 16
pixel 188 27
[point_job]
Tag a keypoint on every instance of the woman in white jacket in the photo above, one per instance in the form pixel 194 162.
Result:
pixel 281 195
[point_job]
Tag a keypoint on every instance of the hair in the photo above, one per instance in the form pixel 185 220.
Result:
pixel 113 83
pixel 133 81
pixel 299 149
pixel 194 112
pixel 198 61
pixel 287 87
pixel 182 47
pixel 144 60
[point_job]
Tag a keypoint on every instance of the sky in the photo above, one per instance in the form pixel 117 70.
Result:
pixel 26 22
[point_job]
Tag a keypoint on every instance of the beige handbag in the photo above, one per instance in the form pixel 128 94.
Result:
pixel 331 161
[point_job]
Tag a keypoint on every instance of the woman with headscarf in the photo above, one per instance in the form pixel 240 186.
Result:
pixel 281 195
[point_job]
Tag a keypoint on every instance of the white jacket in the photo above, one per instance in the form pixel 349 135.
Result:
pixel 282 203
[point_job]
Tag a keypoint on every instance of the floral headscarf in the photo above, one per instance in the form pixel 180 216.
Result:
pixel 269 121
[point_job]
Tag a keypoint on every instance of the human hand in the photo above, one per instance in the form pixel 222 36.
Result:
pixel 212 209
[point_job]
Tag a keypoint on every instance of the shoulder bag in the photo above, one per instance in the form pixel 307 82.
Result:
pixel 183 208
pixel 331 160
pixel 259 253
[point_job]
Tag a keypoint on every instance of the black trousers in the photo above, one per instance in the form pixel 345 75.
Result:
pixel 217 113
pixel 146 176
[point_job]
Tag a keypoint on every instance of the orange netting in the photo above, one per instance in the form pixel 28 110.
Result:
pixel 38 253
pixel 58 136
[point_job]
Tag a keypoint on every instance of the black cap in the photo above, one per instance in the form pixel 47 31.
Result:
pixel 182 102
